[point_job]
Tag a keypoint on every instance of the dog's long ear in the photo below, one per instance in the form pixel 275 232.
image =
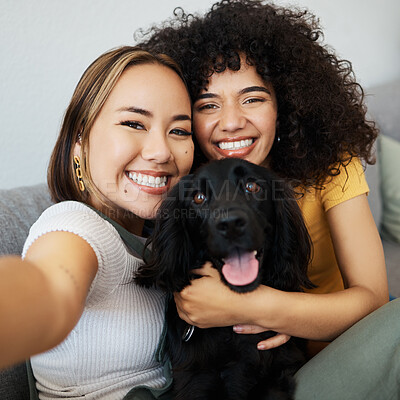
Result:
pixel 292 249
pixel 171 249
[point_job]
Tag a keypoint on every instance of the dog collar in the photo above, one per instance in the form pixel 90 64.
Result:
pixel 187 333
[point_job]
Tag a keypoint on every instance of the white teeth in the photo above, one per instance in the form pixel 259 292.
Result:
pixel 148 180
pixel 240 144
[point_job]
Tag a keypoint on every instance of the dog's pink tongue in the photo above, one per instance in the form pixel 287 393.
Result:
pixel 240 269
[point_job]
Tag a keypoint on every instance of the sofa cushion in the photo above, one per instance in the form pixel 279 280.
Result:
pixel 383 107
pixel 389 162
pixel 19 209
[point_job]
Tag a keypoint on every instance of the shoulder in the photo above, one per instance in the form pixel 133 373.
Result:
pixel 77 218
pixel 69 210
pixel 349 183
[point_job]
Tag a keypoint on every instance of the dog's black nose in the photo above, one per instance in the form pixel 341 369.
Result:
pixel 232 223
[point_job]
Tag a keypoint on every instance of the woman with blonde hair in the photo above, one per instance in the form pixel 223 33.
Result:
pixel 125 140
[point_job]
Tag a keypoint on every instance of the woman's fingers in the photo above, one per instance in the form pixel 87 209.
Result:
pixel 206 270
pixel 275 341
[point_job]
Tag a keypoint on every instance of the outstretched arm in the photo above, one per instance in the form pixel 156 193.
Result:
pixel 207 302
pixel 42 297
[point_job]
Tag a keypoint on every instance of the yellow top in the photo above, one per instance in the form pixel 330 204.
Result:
pixel 324 271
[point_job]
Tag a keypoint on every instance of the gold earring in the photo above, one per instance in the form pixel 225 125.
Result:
pixel 78 173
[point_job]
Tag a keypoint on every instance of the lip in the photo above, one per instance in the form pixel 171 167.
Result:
pixel 232 153
pixel 158 191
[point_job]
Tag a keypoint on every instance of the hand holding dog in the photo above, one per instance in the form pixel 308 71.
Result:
pixel 207 303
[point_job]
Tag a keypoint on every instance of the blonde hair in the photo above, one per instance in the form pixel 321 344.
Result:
pixel 90 94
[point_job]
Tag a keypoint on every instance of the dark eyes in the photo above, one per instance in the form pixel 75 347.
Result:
pixel 252 187
pixel 133 125
pixel 211 106
pixel 254 100
pixel 181 132
pixel 199 198
pixel 139 126
pixel 207 107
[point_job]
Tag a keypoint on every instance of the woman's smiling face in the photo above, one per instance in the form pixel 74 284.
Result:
pixel 236 116
pixel 141 144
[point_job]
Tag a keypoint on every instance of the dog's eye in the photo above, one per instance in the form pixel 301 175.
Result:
pixel 252 187
pixel 199 198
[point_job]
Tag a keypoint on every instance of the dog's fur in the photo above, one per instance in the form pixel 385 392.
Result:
pixel 232 218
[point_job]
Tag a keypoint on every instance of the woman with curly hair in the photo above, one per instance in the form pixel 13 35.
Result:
pixel 265 89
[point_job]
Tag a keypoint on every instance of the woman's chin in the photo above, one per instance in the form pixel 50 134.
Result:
pixel 145 212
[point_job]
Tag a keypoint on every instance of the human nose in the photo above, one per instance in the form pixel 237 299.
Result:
pixel 231 118
pixel 156 149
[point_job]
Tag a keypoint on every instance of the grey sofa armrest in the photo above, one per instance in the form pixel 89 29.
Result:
pixel 19 209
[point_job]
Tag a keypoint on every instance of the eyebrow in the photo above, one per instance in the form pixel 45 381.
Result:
pixel 254 89
pixel 242 91
pixel 136 110
pixel 146 113
pixel 206 96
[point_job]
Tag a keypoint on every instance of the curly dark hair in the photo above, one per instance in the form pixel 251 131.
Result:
pixel 322 122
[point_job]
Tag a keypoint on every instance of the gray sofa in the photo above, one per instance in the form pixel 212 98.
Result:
pixel 20 207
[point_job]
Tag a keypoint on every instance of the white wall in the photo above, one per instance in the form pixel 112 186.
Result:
pixel 46 45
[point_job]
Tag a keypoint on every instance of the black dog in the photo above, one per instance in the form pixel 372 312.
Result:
pixel 245 221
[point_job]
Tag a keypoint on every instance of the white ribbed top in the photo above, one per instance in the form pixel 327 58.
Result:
pixel 112 347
